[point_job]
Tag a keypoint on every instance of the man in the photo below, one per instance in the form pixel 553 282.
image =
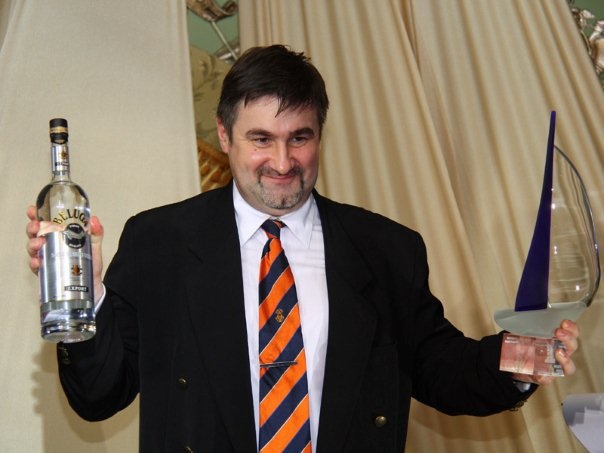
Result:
pixel 180 320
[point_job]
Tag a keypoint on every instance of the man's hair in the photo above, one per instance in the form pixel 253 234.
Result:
pixel 273 71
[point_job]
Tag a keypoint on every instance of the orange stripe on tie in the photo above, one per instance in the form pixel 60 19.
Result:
pixel 286 331
pixel 281 389
pixel 291 427
pixel 269 304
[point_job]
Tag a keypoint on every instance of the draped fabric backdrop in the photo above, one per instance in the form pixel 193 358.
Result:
pixel 439 120
pixel 119 72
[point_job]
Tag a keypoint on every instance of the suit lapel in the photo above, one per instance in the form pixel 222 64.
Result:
pixel 352 323
pixel 215 297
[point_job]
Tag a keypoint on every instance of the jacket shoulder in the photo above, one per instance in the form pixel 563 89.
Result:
pixel 198 203
pixel 358 220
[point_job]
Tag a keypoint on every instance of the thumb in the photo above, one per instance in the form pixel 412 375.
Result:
pixel 96 239
pixel 96 230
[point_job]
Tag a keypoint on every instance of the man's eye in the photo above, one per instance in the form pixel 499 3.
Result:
pixel 299 141
pixel 261 141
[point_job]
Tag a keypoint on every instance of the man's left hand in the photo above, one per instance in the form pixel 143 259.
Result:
pixel 568 334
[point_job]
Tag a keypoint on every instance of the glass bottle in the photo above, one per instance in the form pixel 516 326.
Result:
pixel 66 279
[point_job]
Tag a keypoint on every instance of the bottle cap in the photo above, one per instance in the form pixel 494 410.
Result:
pixel 58 130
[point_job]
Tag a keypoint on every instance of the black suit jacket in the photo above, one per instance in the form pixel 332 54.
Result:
pixel 172 328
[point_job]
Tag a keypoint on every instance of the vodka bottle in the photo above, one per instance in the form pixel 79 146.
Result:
pixel 66 281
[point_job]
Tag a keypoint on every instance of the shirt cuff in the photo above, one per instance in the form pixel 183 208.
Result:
pixel 522 386
pixel 97 306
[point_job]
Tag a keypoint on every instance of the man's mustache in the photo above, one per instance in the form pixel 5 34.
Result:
pixel 268 171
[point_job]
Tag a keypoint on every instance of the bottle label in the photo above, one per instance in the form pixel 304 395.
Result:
pixel 60 158
pixel 66 268
pixel 74 216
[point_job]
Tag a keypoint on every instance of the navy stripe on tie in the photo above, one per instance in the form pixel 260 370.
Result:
pixel 290 353
pixel 300 440
pixel 284 411
pixel 271 227
pixel 289 300
pixel 277 268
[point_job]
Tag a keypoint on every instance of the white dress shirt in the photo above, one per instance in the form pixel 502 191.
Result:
pixel 302 241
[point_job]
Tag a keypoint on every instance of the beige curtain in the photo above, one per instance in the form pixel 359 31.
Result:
pixel 439 120
pixel 119 71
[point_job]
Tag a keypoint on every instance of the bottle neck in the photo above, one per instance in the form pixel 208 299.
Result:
pixel 59 161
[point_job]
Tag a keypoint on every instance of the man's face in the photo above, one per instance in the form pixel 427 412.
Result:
pixel 274 158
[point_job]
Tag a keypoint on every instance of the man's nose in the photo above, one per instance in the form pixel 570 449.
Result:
pixel 283 159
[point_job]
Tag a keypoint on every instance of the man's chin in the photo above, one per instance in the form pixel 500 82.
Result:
pixel 281 202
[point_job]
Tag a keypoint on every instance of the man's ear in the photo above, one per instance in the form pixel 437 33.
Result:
pixel 223 136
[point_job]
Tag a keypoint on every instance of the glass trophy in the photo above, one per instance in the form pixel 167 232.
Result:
pixel 562 270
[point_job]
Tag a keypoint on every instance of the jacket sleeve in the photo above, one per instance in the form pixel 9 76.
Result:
pixel 450 372
pixel 100 376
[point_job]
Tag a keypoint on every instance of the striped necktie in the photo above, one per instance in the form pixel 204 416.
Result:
pixel 284 407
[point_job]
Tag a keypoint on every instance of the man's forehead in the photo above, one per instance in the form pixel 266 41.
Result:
pixel 274 103
pixel 271 107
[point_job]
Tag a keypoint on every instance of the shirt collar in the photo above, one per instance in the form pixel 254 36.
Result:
pixel 299 222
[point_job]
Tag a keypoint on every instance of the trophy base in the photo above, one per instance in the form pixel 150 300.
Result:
pixel 529 355
pixel 538 323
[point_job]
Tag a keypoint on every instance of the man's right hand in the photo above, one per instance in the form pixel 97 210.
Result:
pixel 36 230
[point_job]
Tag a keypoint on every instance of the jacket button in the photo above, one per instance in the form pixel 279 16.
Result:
pixel 183 384
pixel 380 421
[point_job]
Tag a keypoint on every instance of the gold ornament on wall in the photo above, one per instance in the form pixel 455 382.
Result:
pixel 214 167
pixel 212 12
pixel 207 73
pixel 592 33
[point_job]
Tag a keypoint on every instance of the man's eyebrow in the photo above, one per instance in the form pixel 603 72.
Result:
pixel 258 133
pixel 308 131
pixel 304 131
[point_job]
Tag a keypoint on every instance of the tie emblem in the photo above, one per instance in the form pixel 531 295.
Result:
pixel 279 316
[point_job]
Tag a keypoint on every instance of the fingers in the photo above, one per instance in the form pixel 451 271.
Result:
pixel 568 334
pixel 568 366
pixel 571 327
pixel 34 244
pixel 35 231
pixel 31 212
pixel 96 236
pixel 33 225
pixel 563 358
pixel 96 229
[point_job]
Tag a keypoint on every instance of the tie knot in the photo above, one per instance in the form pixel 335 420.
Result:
pixel 273 227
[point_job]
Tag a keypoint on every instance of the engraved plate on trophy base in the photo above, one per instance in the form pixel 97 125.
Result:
pixel 530 355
